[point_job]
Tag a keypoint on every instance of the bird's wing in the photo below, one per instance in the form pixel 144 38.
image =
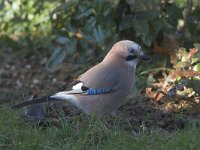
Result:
pixel 98 80
pixel 81 89
pixel 78 89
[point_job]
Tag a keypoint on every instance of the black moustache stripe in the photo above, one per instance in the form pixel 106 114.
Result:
pixel 84 88
pixel 130 57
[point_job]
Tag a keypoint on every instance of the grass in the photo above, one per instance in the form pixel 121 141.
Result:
pixel 90 133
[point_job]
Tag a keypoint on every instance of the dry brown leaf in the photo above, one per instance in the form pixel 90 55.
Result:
pixel 154 95
pixel 192 52
pixel 78 35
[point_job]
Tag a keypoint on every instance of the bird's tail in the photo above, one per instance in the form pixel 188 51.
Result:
pixel 34 101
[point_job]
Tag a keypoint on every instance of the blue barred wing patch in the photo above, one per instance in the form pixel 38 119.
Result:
pixel 92 91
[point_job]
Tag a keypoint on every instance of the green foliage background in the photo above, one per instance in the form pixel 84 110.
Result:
pixel 25 25
pixel 67 27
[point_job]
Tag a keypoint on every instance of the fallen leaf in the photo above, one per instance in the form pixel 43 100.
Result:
pixel 192 52
pixel 154 95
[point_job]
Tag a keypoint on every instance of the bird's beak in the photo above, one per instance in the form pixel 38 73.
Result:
pixel 144 57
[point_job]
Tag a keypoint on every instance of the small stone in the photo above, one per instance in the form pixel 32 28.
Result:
pixel 36 81
pixel 28 66
pixel 54 79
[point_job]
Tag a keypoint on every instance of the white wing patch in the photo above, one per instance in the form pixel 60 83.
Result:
pixel 69 95
pixel 77 86
pixel 76 89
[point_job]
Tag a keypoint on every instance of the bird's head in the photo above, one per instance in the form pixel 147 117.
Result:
pixel 128 51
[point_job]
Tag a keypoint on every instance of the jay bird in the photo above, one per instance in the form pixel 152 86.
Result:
pixel 104 87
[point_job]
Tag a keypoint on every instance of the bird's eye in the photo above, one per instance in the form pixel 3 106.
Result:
pixel 132 50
